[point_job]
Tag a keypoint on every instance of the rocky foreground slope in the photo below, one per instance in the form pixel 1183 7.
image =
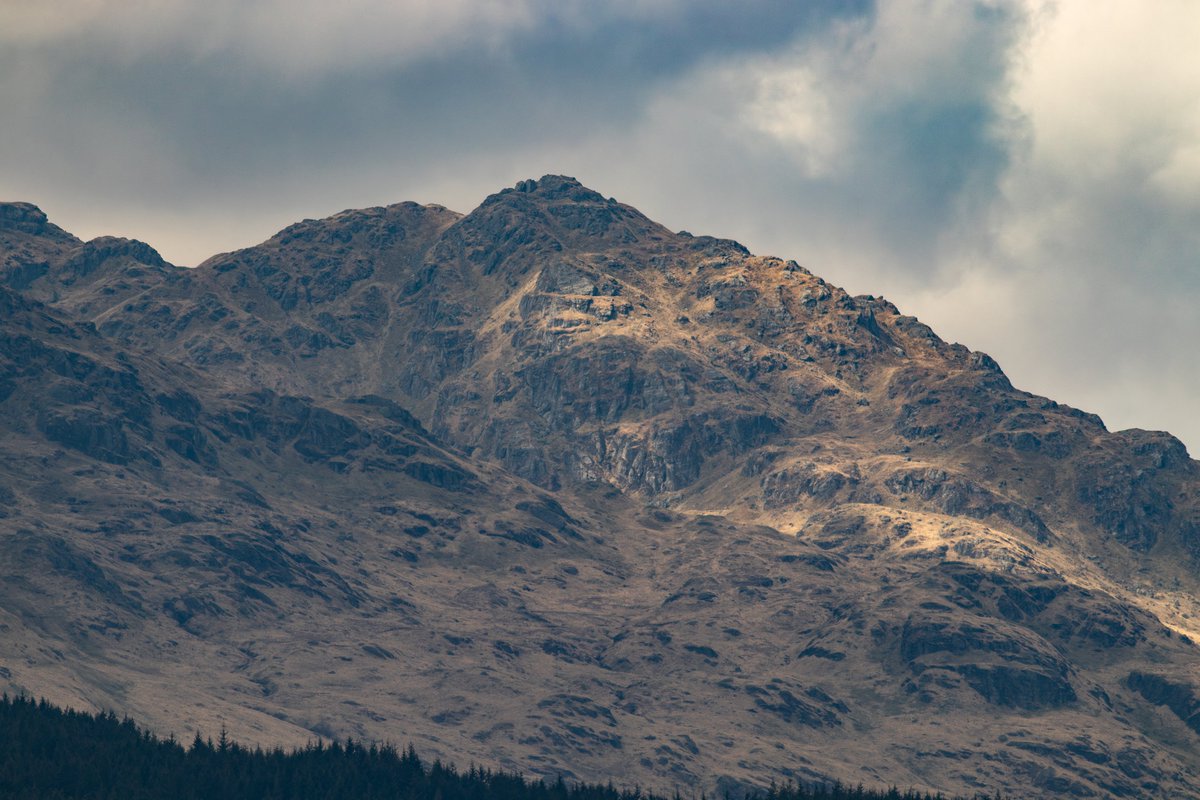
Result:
pixel 552 488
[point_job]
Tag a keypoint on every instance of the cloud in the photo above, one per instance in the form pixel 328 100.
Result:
pixel 282 36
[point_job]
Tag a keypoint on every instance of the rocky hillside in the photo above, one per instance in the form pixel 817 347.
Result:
pixel 552 488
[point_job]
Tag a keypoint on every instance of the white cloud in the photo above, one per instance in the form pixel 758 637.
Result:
pixel 791 106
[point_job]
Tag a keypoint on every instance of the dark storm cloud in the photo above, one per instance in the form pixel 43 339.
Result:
pixel 236 117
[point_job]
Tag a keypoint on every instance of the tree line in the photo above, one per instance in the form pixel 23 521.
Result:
pixel 50 753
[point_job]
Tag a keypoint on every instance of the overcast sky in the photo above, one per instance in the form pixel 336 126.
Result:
pixel 1024 176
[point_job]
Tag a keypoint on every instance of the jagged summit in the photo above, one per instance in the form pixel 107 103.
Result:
pixel 376 226
pixel 556 213
pixel 105 250
pixel 567 191
pixel 549 487
pixel 556 187
pixel 28 218
pixel 22 216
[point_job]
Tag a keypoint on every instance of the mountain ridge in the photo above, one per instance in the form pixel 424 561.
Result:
pixel 637 478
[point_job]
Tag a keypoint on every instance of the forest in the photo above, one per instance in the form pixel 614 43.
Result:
pixel 50 753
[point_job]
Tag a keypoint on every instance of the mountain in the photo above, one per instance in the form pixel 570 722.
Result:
pixel 551 488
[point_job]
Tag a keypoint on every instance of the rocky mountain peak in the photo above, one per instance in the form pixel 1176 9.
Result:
pixel 557 212
pixel 103 250
pixel 556 187
pixel 27 218
pixel 378 228
pixel 570 493
pixel 29 244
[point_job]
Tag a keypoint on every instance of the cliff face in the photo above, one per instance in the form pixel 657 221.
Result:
pixel 551 487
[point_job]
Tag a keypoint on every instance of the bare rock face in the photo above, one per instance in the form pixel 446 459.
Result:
pixel 28 219
pixel 1180 698
pixel 85 260
pixel 551 488
pixel 29 243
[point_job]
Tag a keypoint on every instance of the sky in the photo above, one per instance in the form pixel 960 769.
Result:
pixel 1024 176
